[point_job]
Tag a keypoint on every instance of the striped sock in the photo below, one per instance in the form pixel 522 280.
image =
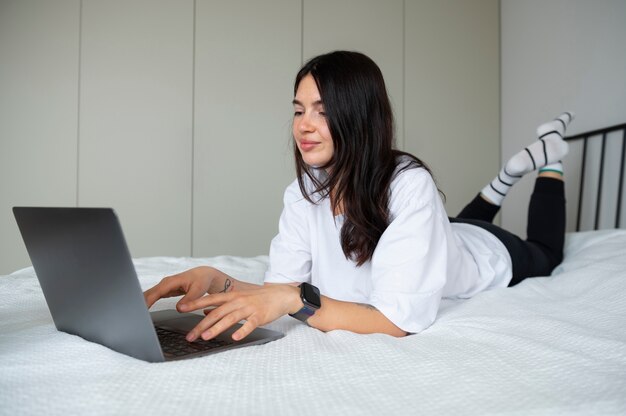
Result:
pixel 545 154
pixel 546 131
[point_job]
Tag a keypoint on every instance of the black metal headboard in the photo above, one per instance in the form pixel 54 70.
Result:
pixel 595 156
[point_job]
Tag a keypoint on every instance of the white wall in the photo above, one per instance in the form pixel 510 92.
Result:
pixel 559 55
pixel 38 112
pixel 177 114
pixel 246 54
pixel 135 118
pixel 452 101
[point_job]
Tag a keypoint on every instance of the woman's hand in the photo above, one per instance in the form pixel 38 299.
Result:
pixel 231 301
pixel 257 307
pixel 193 283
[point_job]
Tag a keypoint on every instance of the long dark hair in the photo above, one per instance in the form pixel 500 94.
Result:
pixel 361 124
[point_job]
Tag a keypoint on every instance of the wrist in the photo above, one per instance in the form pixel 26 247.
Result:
pixel 217 279
pixel 295 302
pixel 310 299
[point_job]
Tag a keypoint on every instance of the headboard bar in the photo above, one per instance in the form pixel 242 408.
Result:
pixel 600 177
pixel 597 132
pixel 585 137
pixel 618 221
pixel 582 185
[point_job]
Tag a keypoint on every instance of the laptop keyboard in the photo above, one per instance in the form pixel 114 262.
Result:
pixel 174 343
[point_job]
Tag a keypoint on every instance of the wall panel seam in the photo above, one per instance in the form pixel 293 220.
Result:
pixel 301 32
pixel 193 124
pixel 403 111
pixel 78 99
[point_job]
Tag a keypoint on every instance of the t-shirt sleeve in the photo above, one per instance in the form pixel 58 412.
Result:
pixel 409 265
pixel 290 250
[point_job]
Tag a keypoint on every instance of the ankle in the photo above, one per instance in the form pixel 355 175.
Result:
pixel 550 174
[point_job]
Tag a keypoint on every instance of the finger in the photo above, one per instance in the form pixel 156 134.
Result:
pixel 194 293
pixel 211 319
pixel 163 289
pixel 205 302
pixel 215 299
pixel 222 325
pixel 213 316
pixel 246 329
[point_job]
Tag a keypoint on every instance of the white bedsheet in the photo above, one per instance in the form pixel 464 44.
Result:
pixel 549 346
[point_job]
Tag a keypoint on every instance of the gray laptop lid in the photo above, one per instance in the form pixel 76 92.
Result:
pixel 83 264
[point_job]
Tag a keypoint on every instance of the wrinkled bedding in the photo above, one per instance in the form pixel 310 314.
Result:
pixel 551 345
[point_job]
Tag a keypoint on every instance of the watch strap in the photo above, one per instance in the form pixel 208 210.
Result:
pixel 303 314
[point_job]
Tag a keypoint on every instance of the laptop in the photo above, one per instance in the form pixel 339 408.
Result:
pixel 91 287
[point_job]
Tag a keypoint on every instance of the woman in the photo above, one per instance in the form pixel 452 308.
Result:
pixel 364 225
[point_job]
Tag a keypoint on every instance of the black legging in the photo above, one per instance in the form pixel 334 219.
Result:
pixel 543 249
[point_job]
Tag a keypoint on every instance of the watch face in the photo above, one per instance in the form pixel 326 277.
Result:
pixel 311 295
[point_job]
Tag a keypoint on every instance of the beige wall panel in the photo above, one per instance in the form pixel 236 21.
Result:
pixel 38 106
pixel 373 27
pixel 136 119
pixel 452 93
pixel 247 54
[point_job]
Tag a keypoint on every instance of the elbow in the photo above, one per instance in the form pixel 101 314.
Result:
pixel 397 332
pixel 402 334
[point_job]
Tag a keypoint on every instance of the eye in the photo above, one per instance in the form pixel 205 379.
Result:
pixel 297 113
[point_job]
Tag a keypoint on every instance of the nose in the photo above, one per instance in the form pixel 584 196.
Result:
pixel 304 124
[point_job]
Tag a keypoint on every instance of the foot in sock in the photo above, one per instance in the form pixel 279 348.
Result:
pixel 556 127
pixel 549 149
pixel 545 154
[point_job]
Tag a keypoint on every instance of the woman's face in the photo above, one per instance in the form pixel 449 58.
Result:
pixel 310 129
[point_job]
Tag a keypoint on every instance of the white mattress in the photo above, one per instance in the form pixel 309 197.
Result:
pixel 549 346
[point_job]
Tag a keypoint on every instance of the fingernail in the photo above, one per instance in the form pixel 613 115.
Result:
pixel 190 337
pixel 183 307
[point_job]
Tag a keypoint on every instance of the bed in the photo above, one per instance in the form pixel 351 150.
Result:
pixel 550 345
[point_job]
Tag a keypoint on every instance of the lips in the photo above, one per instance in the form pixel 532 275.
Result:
pixel 307 145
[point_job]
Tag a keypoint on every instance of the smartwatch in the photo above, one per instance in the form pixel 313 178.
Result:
pixel 310 296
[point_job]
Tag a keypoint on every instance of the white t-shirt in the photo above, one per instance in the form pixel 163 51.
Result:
pixel 419 259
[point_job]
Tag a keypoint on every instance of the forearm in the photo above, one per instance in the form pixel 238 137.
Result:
pixel 333 314
pixel 354 317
